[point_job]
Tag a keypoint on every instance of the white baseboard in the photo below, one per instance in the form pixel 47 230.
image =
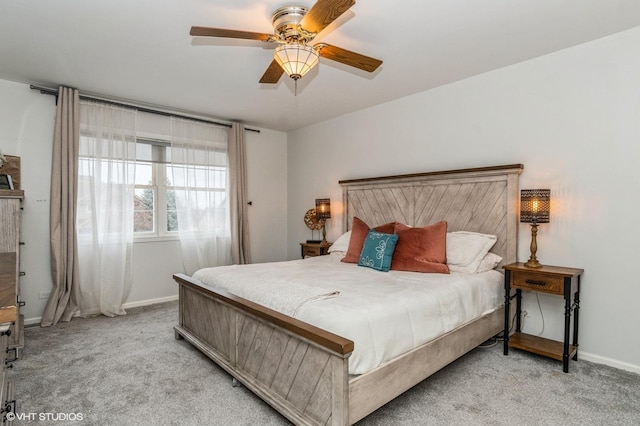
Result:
pixel 32 321
pixel 609 361
pixel 150 302
pixel 37 320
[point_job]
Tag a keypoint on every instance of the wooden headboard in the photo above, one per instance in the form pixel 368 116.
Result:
pixel 481 199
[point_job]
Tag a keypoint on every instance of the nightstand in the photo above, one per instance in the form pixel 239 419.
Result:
pixel 556 280
pixel 314 249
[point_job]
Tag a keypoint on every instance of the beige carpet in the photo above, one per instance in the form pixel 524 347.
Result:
pixel 131 371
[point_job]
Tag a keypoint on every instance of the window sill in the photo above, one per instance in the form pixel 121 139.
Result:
pixel 155 239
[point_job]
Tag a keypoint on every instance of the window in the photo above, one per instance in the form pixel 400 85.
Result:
pixel 151 190
pixel 154 205
pixel 146 193
pixel 155 208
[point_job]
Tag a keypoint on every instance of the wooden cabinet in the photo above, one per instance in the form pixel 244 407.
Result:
pixel 7 401
pixel 10 215
pixel 11 324
pixel 556 280
pixel 314 249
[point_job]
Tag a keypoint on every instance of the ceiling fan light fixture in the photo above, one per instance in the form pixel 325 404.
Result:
pixel 296 59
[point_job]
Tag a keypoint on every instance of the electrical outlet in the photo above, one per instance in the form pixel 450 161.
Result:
pixel 44 294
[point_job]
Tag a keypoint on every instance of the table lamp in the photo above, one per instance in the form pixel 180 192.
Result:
pixel 323 211
pixel 534 209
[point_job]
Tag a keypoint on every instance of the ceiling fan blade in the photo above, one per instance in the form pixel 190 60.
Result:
pixel 220 32
pixel 272 74
pixel 350 58
pixel 323 13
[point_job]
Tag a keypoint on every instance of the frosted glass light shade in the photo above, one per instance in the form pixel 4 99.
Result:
pixel 295 59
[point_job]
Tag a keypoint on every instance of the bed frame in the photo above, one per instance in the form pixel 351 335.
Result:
pixel 301 370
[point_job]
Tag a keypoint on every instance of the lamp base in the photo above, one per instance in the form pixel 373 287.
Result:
pixel 533 263
pixel 533 260
pixel 324 234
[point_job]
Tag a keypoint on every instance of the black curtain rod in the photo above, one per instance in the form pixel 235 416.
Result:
pixel 47 91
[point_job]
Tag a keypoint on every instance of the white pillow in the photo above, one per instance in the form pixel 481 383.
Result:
pixel 342 243
pixel 488 262
pixel 467 249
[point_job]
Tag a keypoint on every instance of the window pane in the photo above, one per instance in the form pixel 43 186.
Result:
pixel 207 210
pixel 143 152
pixel 218 177
pixel 172 214
pixel 94 147
pixel 102 170
pixel 198 177
pixel 143 214
pixel 144 174
pixel 211 156
pixel 84 218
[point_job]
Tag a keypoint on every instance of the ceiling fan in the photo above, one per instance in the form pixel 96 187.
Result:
pixel 295 28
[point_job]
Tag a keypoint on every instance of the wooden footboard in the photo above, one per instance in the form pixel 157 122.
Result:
pixel 300 370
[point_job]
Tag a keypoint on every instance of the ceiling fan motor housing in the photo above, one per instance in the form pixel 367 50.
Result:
pixel 286 21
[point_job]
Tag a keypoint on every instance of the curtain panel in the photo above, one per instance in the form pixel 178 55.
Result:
pixel 240 249
pixel 63 300
pixel 106 189
pixel 199 175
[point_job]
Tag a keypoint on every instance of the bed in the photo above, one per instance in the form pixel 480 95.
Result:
pixel 302 370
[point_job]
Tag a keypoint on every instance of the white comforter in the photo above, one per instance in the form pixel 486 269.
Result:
pixel 385 313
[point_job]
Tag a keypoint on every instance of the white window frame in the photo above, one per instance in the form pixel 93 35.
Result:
pixel 159 187
pixel 160 190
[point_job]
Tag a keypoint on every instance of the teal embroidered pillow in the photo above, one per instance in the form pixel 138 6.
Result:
pixel 377 250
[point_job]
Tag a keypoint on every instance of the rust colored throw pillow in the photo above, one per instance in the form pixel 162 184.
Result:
pixel 359 231
pixel 421 249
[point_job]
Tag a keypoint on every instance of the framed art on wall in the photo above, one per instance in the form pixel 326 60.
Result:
pixel 11 168
pixel 6 182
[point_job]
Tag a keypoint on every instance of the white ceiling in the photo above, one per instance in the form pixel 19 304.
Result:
pixel 141 50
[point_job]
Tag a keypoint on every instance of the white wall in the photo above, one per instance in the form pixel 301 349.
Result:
pixel 572 118
pixel 267 190
pixel 26 130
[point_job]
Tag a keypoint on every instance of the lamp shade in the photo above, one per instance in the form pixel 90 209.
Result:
pixel 535 205
pixel 296 59
pixel 323 208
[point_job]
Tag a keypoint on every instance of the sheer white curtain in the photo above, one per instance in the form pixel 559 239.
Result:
pixel 105 206
pixel 199 175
